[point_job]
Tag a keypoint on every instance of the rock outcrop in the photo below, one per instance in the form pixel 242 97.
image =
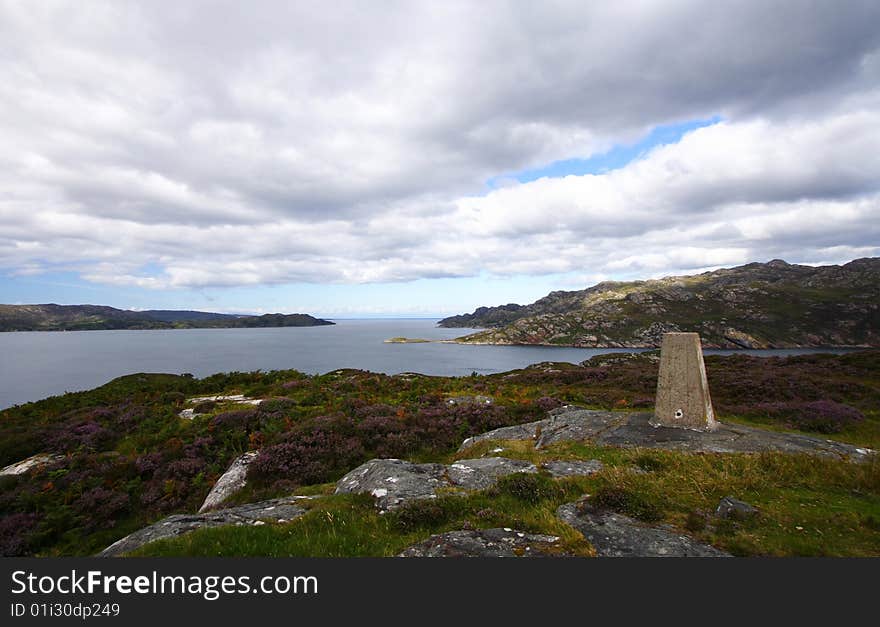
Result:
pixel 230 482
pixel 191 412
pixel 393 482
pixel 486 543
pixel 255 514
pixel 616 535
pixel 34 461
pixel 633 429
pixel 484 472
pixel 573 468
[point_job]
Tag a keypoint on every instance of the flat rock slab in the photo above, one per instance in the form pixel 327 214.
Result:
pixel 484 472
pixel 577 424
pixel 634 430
pixel 230 482
pixel 393 482
pixel 616 535
pixel 516 432
pixel 574 468
pixel 275 510
pixel 486 543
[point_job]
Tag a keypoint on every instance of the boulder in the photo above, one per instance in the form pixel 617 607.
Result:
pixel 732 508
pixel 616 535
pixel 486 543
pixel 230 482
pixel 275 510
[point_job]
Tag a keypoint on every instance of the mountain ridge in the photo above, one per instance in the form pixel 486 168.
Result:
pixel 757 305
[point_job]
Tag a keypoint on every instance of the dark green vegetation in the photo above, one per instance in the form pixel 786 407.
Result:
pixel 97 317
pixel 771 305
pixel 129 460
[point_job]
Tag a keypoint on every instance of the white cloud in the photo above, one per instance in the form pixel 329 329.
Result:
pixel 286 144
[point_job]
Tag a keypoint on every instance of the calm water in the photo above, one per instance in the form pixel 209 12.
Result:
pixel 37 365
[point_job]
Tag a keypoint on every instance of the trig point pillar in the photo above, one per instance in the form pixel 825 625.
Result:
pixel 682 390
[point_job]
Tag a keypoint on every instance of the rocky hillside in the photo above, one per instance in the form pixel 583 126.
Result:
pixel 758 305
pixel 53 317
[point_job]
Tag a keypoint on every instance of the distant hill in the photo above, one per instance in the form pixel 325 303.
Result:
pixel 171 315
pixel 51 317
pixel 758 305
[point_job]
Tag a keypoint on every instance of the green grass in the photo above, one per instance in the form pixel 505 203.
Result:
pixel 808 506
pixel 350 526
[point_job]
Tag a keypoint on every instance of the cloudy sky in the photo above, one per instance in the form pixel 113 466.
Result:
pixel 406 158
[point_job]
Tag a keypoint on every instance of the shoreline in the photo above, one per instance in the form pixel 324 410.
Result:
pixel 641 347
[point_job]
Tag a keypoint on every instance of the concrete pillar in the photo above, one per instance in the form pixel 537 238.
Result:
pixel 682 390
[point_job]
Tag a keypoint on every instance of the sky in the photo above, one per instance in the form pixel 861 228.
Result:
pixel 425 158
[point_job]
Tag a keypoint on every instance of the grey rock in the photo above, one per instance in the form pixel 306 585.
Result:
pixel 633 429
pixel 394 481
pixel 563 468
pixel 616 535
pixel 275 510
pixel 486 543
pixel 237 398
pixel 577 424
pixel 484 472
pixel 34 461
pixel 730 507
pixel 230 482
pixel 527 431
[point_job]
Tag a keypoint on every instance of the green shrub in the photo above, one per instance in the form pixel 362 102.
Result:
pixel 421 513
pixel 624 501
pixel 650 463
pixel 527 487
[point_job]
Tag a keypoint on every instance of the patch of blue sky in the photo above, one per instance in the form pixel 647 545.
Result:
pixel 619 156
pixel 151 269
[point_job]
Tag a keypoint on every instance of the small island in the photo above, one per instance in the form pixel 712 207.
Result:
pixel 407 340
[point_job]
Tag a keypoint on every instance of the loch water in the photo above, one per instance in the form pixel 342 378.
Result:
pixel 34 365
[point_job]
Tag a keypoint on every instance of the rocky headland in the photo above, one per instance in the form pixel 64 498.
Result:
pixel 758 305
